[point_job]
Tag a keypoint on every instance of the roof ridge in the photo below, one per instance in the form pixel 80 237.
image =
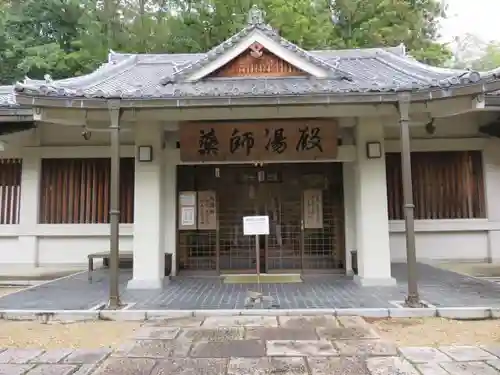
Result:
pixel 401 70
pixel 255 24
pixel 455 77
pixel 117 73
pixel 410 59
pixel 113 71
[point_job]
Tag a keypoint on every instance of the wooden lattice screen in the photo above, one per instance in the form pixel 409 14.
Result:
pixel 446 185
pixel 76 191
pixel 10 190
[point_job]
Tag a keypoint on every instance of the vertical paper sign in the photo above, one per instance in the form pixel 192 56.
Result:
pixel 313 209
pixel 187 210
pixel 207 210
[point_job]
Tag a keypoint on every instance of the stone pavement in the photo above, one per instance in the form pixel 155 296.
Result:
pixel 440 288
pixel 256 345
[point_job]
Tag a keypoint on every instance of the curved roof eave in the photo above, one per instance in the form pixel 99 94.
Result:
pixel 75 102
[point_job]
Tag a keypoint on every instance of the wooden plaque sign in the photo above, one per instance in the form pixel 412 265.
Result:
pixel 207 210
pixel 187 210
pixel 313 209
pixel 257 62
pixel 258 140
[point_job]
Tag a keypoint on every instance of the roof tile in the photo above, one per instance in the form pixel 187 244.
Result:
pixel 163 75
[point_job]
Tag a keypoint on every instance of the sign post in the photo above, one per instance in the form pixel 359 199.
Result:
pixel 256 226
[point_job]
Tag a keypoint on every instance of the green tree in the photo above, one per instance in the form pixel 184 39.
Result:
pixel 369 23
pixel 490 58
pixel 44 38
pixel 471 52
pixel 65 38
pixel 320 24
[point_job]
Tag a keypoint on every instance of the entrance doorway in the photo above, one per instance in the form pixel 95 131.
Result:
pixel 288 194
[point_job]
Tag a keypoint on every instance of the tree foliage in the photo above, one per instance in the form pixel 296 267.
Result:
pixel 473 53
pixel 65 38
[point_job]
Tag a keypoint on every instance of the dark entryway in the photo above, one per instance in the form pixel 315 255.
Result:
pixel 287 193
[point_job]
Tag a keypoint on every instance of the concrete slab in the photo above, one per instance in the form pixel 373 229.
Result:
pixel 212 334
pixel 300 348
pixel 175 322
pixel 312 322
pixel 11 369
pixel 53 369
pixel 390 366
pixel 337 366
pixel 431 368
pixel 352 348
pixel 493 349
pixel 351 333
pixel 87 356
pixel 469 368
pixel 227 349
pixel 423 354
pixel 157 333
pixel 266 365
pixel 52 356
pixel 281 333
pixel 467 353
pixel 495 364
pixel 19 356
pixel 126 366
pixel 191 366
pixel 159 349
pixel 240 321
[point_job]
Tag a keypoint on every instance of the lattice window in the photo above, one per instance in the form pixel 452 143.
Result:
pixel 10 190
pixel 77 191
pixel 446 185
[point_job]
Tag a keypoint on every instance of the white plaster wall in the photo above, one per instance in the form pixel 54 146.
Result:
pixel 465 125
pixel 57 135
pixel 463 246
pixel 30 243
pixel 74 250
pixel 58 244
pixel 453 240
pixel 10 252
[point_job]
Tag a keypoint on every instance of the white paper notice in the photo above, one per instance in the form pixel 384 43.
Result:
pixel 187 216
pixel 255 225
pixel 188 199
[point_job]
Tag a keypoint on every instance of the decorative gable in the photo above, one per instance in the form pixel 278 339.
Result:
pixel 256 51
pixel 257 61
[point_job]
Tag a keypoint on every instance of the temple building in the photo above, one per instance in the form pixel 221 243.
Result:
pixel 255 126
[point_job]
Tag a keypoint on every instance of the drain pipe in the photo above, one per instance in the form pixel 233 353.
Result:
pixel 413 299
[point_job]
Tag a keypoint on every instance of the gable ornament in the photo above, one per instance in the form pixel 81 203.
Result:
pixel 256 50
pixel 255 16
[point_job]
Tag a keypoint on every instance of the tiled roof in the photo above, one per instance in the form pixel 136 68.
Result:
pixel 138 76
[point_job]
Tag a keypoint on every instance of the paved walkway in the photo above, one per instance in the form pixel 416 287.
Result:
pixel 256 345
pixel 438 287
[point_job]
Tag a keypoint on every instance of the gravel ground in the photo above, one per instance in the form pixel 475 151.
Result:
pixel 80 335
pixel 439 331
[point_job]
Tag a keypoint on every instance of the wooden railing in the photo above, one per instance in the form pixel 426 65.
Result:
pixel 77 191
pixel 10 190
pixel 446 185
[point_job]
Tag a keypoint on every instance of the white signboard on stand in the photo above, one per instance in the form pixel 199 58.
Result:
pixel 255 225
